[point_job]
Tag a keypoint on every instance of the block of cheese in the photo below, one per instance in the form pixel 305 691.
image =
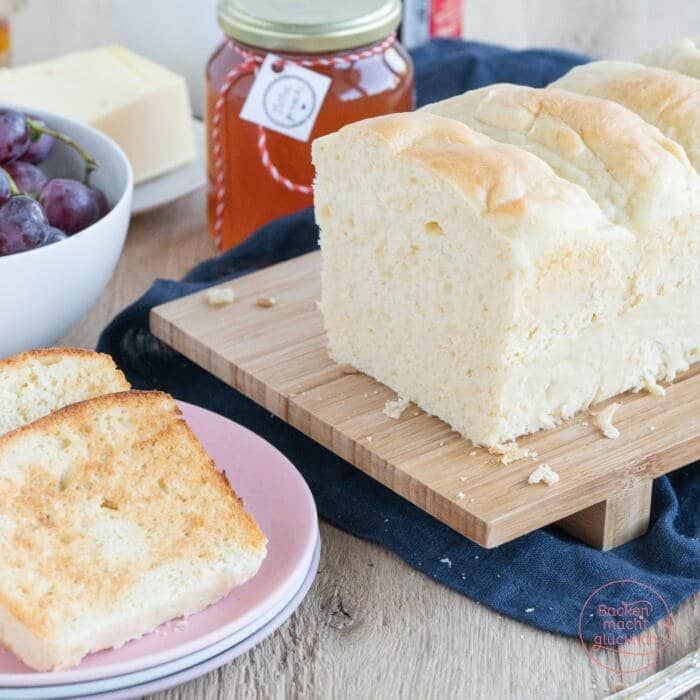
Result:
pixel 668 100
pixel 144 107
pixel 442 254
pixel 639 178
pixel 682 56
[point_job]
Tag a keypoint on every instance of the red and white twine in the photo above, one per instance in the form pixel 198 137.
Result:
pixel 251 64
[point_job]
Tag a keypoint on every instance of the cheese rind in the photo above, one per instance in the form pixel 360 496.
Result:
pixel 144 107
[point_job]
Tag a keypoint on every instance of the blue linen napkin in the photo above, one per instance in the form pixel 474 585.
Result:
pixel 542 579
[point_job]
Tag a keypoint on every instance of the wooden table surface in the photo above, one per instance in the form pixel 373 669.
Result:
pixel 371 626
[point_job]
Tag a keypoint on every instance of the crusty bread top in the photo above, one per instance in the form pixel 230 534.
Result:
pixel 637 176
pixel 514 191
pixel 666 99
pixel 35 383
pixel 100 492
pixel 682 56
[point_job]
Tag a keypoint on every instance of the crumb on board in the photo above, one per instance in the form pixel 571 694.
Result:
pixel 369 438
pixel 347 369
pixel 265 302
pixel 395 407
pixel 510 452
pixel 603 419
pixel 543 474
pixel 651 385
pixel 220 296
pixel 460 496
pixel 472 453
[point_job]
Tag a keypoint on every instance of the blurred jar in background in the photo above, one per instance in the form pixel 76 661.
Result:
pixel 260 163
pixel 7 9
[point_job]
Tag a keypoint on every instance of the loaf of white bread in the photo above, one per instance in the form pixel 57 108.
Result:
pixel 512 255
pixel 113 517
pixel 682 56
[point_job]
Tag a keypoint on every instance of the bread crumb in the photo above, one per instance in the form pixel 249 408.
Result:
pixel 266 302
pixel 396 407
pixel 446 560
pixel 369 438
pixel 543 473
pixel 529 610
pixel 441 443
pixel 472 453
pixel 652 428
pixel 460 496
pixel 651 385
pixel 510 452
pixel 347 369
pixel 603 420
pixel 220 296
pixel 462 478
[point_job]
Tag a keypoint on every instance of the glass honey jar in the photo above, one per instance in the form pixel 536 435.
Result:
pixel 287 73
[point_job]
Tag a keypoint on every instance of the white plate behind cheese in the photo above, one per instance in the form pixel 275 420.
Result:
pixel 164 189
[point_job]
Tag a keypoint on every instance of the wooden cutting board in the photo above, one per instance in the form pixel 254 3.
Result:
pixel 277 356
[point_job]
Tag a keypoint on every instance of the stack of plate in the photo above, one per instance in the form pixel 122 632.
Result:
pixel 280 501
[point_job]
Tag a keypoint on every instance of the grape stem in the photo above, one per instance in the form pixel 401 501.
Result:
pixel 13 185
pixel 36 130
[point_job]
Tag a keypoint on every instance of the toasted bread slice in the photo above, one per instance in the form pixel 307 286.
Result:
pixel 113 519
pixel 38 382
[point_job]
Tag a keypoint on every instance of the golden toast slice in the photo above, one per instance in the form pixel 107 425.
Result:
pixel 38 382
pixel 113 519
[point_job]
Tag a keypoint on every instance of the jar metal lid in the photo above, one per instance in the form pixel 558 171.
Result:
pixel 313 26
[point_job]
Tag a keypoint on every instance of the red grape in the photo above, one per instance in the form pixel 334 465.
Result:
pixel 23 225
pixel 27 177
pixel 40 148
pixel 69 205
pixel 54 235
pixel 5 189
pixel 14 135
pixel 102 203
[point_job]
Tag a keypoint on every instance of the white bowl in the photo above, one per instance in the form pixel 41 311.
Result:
pixel 44 292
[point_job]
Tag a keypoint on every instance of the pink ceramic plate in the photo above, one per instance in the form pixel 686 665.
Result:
pixel 280 501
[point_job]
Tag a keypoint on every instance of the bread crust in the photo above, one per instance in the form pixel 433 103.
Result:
pixel 667 99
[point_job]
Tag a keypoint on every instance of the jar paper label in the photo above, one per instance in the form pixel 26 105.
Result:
pixel 285 98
